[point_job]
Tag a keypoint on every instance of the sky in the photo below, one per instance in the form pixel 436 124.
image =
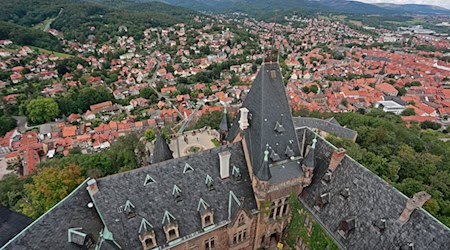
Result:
pixel 442 3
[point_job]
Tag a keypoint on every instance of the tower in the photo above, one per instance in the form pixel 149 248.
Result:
pixel 264 125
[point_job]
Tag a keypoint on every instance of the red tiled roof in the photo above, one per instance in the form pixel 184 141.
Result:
pixel 69 131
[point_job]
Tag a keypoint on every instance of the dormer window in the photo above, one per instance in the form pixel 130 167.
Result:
pixel 206 213
pixel 172 233
pixel 78 237
pixel 176 193
pixel 279 128
pixel 170 226
pixel 289 152
pixel 130 210
pixel 236 173
pixel 207 220
pixel 322 200
pixel 187 168
pixel 327 177
pixel 407 246
pixel 147 235
pixel 346 226
pixel 274 156
pixel 148 180
pixel 209 182
pixel 380 224
pixel 345 193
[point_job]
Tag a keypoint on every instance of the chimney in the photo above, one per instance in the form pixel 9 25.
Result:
pixel 416 201
pixel 92 187
pixel 224 158
pixel 243 121
pixel 336 158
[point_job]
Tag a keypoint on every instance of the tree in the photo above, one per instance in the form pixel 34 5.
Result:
pixel 408 112
pixel 48 188
pixel 430 125
pixel 42 110
pixel 7 123
pixel 150 135
pixel 11 190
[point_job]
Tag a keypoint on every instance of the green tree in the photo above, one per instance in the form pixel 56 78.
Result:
pixel 150 135
pixel 7 123
pixel 430 125
pixel 42 110
pixel 11 190
pixel 408 112
pixel 49 187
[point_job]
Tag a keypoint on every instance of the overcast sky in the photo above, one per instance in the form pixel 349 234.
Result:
pixel 442 3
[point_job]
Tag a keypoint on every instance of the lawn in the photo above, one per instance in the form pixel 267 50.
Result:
pixel 49 52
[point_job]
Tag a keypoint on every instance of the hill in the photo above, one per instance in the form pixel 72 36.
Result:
pixel 80 18
pixel 22 35
pixel 332 6
pixel 415 8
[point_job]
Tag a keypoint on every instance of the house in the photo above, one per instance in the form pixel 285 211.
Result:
pixel 387 89
pixel 69 131
pixel 100 106
pixel 390 106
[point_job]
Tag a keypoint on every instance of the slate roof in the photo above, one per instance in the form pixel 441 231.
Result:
pixel 50 230
pixel 152 200
pixel 162 151
pixel 11 223
pixel 268 105
pixel 330 126
pixel 370 200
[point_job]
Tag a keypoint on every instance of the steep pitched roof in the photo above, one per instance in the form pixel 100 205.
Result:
pixel 356 193
pixel 162 151
pixel 50 230
pixel 151 201
pixel 269 117
pixel 11 223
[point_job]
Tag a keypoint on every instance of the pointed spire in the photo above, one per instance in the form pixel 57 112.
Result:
pixel 264 171
pixel 162 151
pixel 223 127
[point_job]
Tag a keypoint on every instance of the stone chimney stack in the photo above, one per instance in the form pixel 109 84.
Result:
pixel 224 158
pixel 416 201
pixel 243 121
pixel 336 158
pixel 92 187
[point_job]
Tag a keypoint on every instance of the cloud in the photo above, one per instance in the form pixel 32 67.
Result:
pixel 441 3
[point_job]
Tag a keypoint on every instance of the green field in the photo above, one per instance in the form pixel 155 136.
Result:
pixel 41 26
pixel 49 52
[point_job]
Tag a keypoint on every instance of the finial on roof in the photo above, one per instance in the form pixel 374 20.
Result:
pixel 314 142
pixel 266 153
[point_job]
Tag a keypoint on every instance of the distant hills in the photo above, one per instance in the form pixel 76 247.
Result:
pixel 83 19
pixel 415 8
pixel 339 6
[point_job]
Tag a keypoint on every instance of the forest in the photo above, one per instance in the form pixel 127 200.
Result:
pixel 78 17
pixel 411 159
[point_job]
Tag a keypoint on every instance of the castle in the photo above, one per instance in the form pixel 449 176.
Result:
pixel 236 196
